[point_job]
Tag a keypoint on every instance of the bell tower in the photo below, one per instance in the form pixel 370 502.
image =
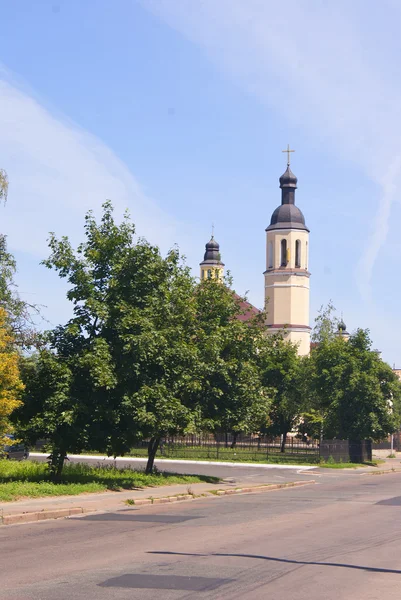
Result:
pixel 211 267
pixel 287 275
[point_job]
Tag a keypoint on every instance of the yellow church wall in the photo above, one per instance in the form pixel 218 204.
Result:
pixel 215 272
pixel 287 287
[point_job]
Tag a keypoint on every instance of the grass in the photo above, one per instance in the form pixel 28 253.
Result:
pixel 349 465
pixel 238 454
pixel 28 479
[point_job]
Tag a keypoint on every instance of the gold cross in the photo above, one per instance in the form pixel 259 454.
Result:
pixel 288 154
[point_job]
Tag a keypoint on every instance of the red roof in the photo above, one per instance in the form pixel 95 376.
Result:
pixel 248 310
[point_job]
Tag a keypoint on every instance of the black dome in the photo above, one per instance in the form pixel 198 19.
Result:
pixel 342 326
pixel 212 251
pixel 288 179
pixel 287 216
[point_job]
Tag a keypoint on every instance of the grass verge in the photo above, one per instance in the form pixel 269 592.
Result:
pixel 349 465
pixel 31 480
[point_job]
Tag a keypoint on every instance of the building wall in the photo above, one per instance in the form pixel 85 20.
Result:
pixel 215 271
pixel 287 286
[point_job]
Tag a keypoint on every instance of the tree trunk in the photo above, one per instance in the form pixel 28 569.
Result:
pixel 152 449
pixel 283 442
pixel 234 442
pixel 56 464
pixel 226 439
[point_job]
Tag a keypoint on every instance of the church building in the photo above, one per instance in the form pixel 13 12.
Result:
pixel 287 275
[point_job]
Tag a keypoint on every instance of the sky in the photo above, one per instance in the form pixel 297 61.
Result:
pixel 179 111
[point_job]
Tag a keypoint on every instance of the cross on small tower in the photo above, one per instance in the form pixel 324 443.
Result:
pixel 288 154
pixel 212 230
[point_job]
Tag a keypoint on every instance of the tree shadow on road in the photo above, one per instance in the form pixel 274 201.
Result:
pixel 286 560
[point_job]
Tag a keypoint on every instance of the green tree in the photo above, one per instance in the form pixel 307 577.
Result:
pixel 3 185
pixel 11 386
pixel 229 391
pixel 121 369
pixel 355 393
pixel 283 371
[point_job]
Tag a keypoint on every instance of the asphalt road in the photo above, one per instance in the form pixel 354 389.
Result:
pixel 239 473
pixel 336 540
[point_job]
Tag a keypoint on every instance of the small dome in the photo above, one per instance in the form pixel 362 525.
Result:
pixel 288 179
pixel 342 326
pixel 212 251
pixel 287 215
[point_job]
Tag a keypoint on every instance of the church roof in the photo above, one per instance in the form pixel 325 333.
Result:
pixel 287 215
pixel 288 179
pixel 248 310
pixel 212 252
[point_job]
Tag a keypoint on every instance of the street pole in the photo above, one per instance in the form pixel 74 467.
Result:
pixel 392 443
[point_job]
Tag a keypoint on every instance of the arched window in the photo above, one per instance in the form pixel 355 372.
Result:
pixel 306 256
pixel 270 255
pixel 209 273
pixel 283 253
pixel 298 254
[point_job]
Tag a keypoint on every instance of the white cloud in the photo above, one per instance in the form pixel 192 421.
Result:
pixel 324 67
pixel 57 172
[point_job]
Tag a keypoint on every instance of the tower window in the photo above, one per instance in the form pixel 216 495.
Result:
pixel 284 253
pixel 298 254
pixel 270 256
pixel 209 273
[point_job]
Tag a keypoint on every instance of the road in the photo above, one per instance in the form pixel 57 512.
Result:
pixel 241 473
pixel 337 539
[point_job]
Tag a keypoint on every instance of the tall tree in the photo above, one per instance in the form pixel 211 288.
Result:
pixel 355 393
pixel 11 386
pixel 283 371
pixel 120 369
pixel 230 393
pixel 3 185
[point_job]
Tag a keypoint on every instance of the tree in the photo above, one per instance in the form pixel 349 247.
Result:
pixel 283 371
pixel 230 395
pixel 121 369
pixel 11 385
pixel 3 185
pixel 356 394
pixel 19 313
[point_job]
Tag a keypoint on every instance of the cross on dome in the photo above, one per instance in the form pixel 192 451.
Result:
pixel 288 154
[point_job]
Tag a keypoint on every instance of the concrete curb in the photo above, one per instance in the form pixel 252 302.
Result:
pixel 217 493
pixel 43 515
pixel 383 472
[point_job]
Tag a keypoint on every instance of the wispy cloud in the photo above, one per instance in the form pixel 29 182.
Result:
pixel 323 66
pixel 57 172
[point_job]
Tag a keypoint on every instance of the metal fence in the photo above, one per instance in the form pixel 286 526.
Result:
pixel 237 448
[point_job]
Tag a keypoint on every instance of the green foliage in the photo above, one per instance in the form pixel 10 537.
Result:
pixel 355 393
pixel 3 186
pixel 230 394
pixel 283 371
pixel 20 314
pixel 121 368
pixel 30 479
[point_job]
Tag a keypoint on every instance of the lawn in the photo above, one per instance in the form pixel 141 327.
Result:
pixel 239 454
pixel 28 479
pixel 349 465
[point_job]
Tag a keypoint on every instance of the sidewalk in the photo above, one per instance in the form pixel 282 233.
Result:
pixel 114 501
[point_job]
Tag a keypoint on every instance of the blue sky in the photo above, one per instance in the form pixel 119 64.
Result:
pixel 179 110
